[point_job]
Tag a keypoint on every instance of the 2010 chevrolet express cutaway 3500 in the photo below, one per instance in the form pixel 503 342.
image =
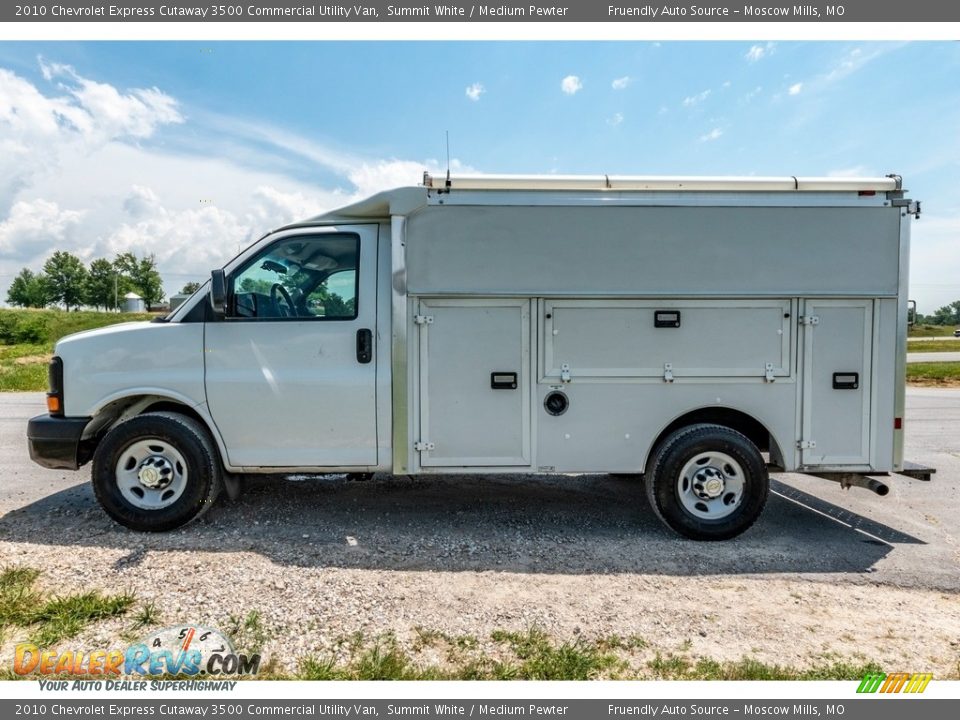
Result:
pixel 695 331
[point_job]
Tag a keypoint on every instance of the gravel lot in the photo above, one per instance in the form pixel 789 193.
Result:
pixel 825 575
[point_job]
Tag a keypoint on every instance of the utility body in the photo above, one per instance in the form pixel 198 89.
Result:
pixel 696 331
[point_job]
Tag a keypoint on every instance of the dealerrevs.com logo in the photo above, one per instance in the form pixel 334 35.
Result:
pixel 895 682
pixel 188 650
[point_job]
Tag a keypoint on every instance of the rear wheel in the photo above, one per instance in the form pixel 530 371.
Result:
pixel 707 482
pixel 156 472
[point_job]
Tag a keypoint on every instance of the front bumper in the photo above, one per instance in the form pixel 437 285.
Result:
pixel 55 442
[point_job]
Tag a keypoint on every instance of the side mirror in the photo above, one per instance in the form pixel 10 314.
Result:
pixel 218 292
pixel 911 313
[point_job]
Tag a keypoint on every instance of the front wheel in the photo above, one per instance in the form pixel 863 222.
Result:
pixel 707 482
pixel 157 472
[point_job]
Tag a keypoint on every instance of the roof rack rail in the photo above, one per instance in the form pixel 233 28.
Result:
pixel 652 183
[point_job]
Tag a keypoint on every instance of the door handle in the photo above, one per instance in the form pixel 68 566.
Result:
pixel 846 381
pixel 503 380
pixel 364 345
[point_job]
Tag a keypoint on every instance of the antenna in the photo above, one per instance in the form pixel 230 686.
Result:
pixel 448 158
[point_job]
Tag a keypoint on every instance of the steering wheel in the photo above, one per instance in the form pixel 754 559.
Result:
pixel 278 292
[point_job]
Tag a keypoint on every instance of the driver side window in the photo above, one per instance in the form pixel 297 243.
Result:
pixel 300 277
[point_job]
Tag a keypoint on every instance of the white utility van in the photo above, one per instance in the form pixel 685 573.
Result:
pixel 695 331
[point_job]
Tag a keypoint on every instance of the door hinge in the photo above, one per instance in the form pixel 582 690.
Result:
pixel 806 444
pixel 421 446
pixel 768 372
pixel 423 319
pixel 912 207
pixel 565 373
pixel 668 372
pixel 809 319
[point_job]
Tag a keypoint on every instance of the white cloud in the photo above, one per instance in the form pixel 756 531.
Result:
pixel 712 135
pixel 379 175
pixel 758 52
pixel 141 202
pixel 79 172
pixel 98 109
pixel 615 119
pixel 850 62
pixel 34 226
pixel 621 82
pixel 753 93
pixel 184 241
pixel 39 130
pixel 696 99
pixel 855 60
pixel 571 85
pixel 475 91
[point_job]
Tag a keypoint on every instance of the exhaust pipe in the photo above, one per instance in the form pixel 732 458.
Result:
pixel 876 486
pixel 848 480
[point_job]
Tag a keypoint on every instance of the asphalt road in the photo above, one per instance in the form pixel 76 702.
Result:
pixel 811 527
pixel 929 357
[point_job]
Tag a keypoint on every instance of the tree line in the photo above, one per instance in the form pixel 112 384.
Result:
pixel 67 281
pixel 947 315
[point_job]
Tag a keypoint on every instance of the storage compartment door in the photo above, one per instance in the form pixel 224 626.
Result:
pixel 474 382
pixel 836 382
pixel 640 338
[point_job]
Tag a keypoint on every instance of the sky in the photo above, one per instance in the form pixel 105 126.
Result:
pixel 192 150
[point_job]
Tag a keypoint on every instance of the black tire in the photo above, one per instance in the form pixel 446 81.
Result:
pixel 201 471
pixel 671 495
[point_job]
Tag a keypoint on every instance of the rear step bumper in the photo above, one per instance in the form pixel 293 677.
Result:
pixel 917 471
pixel 878 482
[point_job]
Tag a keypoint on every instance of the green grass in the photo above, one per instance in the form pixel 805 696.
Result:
pixel 934 373
pixel 27 338
pixel 542 659
pixel 533 655
pixel 48 326
pixel 931 330
pixel 749 669
pixel 23 368
pixel 247 632
pixel 934 346
pixel 147 615
pixel 527 655
pixel 50 619
pixel 383 660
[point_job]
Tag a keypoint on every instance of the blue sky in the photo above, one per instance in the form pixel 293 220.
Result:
pixel 190 149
